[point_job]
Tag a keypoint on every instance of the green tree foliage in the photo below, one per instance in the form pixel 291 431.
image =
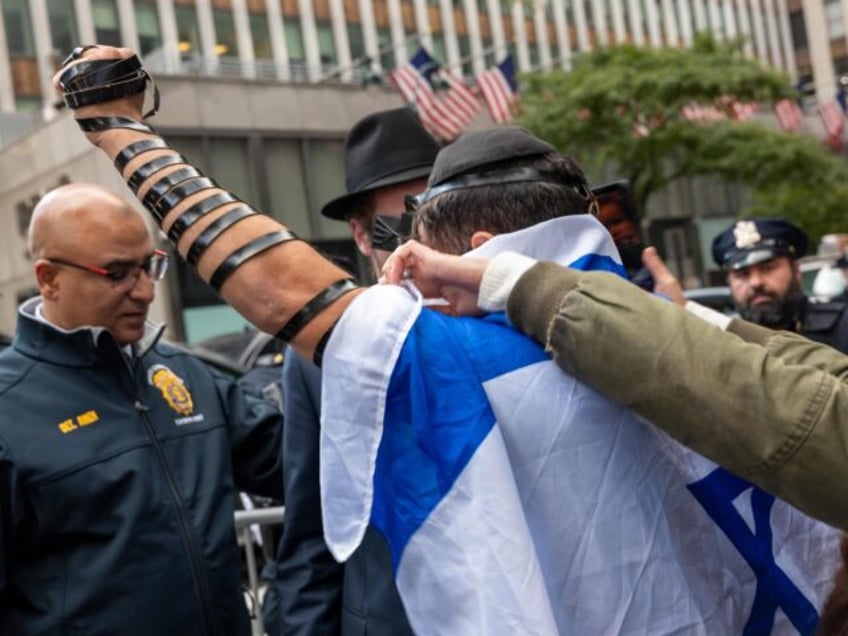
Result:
pixel 622 106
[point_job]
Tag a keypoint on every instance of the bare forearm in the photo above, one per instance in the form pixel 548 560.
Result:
pixel 252 260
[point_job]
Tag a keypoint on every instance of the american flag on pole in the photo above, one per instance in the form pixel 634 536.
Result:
pixel 834 122
pixel 499 90
pixel 789 115
pixel 445 113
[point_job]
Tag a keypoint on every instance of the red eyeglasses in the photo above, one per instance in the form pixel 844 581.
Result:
pixel 124 275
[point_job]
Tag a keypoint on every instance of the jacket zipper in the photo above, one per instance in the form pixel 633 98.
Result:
pixel 200 580
pixel 202 584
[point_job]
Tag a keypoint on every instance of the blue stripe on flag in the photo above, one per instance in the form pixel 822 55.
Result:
pixel 437 414
pixel 599 262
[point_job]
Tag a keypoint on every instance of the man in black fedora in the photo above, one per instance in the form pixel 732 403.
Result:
pixel 387 156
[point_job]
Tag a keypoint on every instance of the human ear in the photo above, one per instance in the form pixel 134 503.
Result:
pixel 479 237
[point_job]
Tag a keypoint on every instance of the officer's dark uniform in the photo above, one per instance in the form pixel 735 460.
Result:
pixel 843 264
pixel 752 241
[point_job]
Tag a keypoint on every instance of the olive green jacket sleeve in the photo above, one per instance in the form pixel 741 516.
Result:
pixel 769 406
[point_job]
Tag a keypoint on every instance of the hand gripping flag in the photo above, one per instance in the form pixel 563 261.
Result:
pixel 499 90
pixel 444 113
pixel 516 500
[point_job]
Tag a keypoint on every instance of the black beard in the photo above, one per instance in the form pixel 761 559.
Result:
pixel 778 313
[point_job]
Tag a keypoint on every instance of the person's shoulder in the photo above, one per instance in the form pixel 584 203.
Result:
pixel 14 368
pixel 824 315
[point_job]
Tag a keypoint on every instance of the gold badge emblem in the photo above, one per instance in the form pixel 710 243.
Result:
pixel 172 388
pixel 746 234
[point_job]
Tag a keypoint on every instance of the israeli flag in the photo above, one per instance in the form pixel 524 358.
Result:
pixel 516 500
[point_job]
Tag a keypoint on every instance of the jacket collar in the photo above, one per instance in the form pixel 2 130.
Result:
pixel 83 346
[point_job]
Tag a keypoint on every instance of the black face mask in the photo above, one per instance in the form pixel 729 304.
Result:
pixel 778 313
pixel 390 232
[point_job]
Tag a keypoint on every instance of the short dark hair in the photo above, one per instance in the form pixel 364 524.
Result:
pixel 362 209
pixel 451 218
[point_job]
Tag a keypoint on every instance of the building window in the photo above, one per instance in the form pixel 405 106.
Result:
pixel 147 23
pixel 833 19
pixel 327 170
pixel 25 104
pixel 465 56
pixel 356 41
pixel 384 43
pixel 489 53
pixel 260 33
pixel 799 29
pixel 63 26
pixel 294 44
pixel 188 33
pixel 286 184
pixel 18 28
pixel 326 45
pixel 105 14
pixel 439 51
pixel 226 44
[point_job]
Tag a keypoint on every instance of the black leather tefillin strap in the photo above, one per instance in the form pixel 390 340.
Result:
pixel 155 199
pixel 179 193
pixel 193 214
pixel 248 251
pixel 147 170
pixel 86 82
pixel 214 230
pixel 315 306
pixel 97 124
pixel 136 148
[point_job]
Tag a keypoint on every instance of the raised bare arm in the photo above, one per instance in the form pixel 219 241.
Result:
pixel 279 283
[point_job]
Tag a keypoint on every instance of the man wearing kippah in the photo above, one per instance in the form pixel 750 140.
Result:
pixel 760 258
pixel 513 498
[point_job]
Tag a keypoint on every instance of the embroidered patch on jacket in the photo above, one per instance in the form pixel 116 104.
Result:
pixel 74 423
pixel 172 388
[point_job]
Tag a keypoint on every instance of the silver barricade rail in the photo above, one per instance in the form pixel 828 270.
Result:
pixel 244 520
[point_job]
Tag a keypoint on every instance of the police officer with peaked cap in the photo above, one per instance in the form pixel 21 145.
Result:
pixel 760 258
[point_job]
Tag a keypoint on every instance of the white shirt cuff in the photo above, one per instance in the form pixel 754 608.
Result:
pixel 706 314
pixel 500 277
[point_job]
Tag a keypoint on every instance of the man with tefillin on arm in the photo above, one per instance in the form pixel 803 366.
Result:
pixel 399 439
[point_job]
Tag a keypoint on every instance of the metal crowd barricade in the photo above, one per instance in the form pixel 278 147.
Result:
pixel 244 520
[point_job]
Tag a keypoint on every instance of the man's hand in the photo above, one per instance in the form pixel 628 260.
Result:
pixel 130 107
pixel 454 278
pixel 664 281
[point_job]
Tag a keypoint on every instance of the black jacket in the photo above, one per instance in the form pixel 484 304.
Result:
pixel 826 323
pixel 317 595
pixel 117 482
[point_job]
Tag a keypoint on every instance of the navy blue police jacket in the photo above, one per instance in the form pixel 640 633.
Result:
pixel 117 483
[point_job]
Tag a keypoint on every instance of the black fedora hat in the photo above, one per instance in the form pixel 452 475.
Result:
pixel 384 148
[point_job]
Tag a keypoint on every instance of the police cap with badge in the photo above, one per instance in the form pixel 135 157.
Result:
pixel 752 241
